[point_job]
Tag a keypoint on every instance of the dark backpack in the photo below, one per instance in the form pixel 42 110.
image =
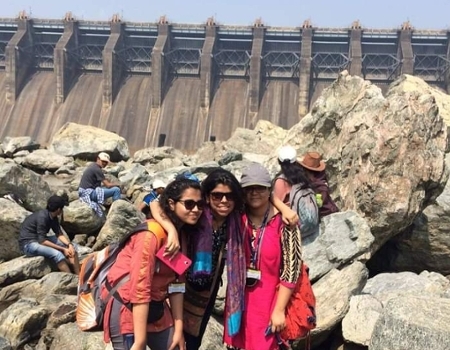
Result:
pixel 95 267
pixel 303 202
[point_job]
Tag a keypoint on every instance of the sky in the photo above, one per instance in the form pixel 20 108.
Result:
pixel 430 14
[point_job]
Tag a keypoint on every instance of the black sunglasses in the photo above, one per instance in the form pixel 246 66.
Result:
pixel 218 196
pixel 190 204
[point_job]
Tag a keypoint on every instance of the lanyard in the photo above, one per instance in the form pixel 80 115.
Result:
pixel 255 250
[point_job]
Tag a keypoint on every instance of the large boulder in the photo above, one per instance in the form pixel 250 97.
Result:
pixel 425 245
pixel 84 141
pixel 43 159
pixel 413 323
pixel 80 218
pixel 344 237
pixel 12 145
pixel 122 217
pixel 28 185
pixel 11 217
pixel 385 155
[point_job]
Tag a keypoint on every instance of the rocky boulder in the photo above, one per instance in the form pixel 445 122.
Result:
pixel 79 218
pixel 122 217
pixel 11 217
pixel 85 142
pixel 12 145
pixel 371 144
pixel 28 185
pixel 413 323
pixel 42 160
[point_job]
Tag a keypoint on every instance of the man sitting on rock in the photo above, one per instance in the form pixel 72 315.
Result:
pixel 33 239
pixel 91 190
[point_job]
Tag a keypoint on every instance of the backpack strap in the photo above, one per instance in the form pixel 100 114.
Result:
pixel 161 235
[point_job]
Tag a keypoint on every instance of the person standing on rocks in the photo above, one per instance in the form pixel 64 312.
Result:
pixel 129 322
pixel 273 262
pixel 219 239
pixel 91 190
pixel 33 239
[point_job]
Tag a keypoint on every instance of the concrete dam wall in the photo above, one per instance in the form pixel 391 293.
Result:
pixel 180 85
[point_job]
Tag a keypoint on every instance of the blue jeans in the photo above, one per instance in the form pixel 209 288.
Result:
pixel 37 249
pixel 113 192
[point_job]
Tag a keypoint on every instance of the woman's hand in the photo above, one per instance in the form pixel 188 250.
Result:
pixel 277 321
pixel 173 244
pixel 290 217
pixel 178 340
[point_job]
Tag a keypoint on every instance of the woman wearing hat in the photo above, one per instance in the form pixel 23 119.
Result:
pixel 314 168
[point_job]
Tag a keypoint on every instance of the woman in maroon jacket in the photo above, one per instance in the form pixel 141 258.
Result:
pixel 314 168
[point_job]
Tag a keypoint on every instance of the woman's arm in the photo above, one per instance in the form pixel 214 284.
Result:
pixel 290 217
pixel 140 314
pixel 278 317
pixel 176 304
pixel 173 242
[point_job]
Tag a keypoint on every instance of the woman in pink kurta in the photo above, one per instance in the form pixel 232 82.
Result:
pixel 266 293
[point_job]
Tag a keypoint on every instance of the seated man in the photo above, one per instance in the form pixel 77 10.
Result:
pixel 33 239
pixel 91 191
pixel 158 188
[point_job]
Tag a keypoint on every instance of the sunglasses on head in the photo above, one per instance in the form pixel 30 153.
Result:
pixel 218 196
pixel 190 204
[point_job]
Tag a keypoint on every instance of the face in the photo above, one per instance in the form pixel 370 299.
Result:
pixel 221 201
pixel 187 207
pixel 102 163
pixel 256 196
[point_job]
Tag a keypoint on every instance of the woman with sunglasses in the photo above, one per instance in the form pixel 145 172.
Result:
pixel 130 322
pixel 220 225
pixel 269 250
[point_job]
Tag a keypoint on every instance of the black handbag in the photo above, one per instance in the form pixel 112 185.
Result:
pixel 155 311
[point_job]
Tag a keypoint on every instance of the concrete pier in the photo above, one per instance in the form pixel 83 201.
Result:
pixel 65 65
pixel 113 68
pixel 355 50
pixel 405 49
pixel 206 65
pixel 305 70
pixel 255 74
pixel 159 71
pixel 19 58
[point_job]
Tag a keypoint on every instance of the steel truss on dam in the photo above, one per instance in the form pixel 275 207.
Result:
pixel 305 56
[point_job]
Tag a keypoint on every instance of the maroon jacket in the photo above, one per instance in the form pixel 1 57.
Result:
pixel 320 185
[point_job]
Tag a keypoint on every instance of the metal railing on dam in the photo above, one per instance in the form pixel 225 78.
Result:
pixel 180 84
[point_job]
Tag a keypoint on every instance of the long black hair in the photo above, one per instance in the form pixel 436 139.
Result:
pixel 294 173
pixel 221 176
pixel 174 191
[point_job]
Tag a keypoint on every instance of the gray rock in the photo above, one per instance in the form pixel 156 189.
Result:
pixel 25 183
pixel 136 174
pixel 11 217
pixel 344 237
pixel 68 336
pixel 212 340
pixel 22 321
pixel 425 245
pixel 386 286
pixel 43 159
pixel 79 218
pixel 230 156
pixel 67 142
pixel 5 344
pixel 12 145
pixel 53 283
pixel 413 323
pixel 122 217
pixel 155 155
pixel 333 292
pixel 359 322
pixel 23 268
